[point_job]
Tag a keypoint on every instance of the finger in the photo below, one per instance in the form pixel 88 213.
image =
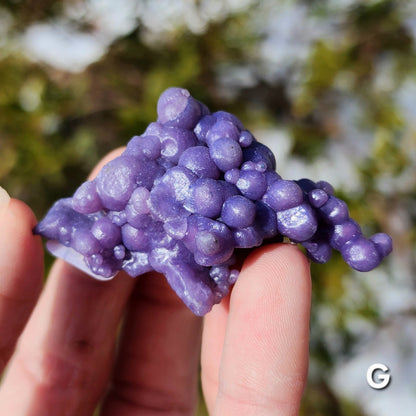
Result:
pixel 264 361
pixel 158 358
pixel 214 329
pixel 21 272
pixel 107 158
pixel 64 356
pixel 157 368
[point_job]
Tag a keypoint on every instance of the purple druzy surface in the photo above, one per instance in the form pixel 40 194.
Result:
pixel 186 195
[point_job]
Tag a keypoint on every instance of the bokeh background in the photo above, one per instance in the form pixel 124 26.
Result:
pixel 329 85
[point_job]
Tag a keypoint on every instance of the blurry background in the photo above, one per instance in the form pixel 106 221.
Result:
pixel 329 85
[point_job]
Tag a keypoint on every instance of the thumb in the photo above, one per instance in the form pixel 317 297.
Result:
pixel 21 271
pixel 264 362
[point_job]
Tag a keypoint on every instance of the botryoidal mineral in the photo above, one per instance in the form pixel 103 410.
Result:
pixel 187 195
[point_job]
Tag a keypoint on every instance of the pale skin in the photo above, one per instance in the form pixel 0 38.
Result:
pixel 131 347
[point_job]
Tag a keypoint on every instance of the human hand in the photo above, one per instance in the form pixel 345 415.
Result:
pixel 131 344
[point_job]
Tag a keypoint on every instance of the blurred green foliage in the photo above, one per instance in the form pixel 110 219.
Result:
pixel 55 125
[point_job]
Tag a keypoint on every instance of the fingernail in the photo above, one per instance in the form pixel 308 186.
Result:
pixel 4 199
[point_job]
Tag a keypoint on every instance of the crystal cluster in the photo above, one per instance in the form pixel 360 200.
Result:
pixel 186 195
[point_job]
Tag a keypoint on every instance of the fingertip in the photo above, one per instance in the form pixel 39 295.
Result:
pixel 107 158
pixel 21 273
pixel 4 199
pixel 21 252
pixel 276 259
pixel 20 211
pixel 265 358
pixel 272 274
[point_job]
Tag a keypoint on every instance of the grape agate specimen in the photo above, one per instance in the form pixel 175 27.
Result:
pixel 186 195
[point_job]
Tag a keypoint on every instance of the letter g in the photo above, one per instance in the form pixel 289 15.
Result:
pixel 378 381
